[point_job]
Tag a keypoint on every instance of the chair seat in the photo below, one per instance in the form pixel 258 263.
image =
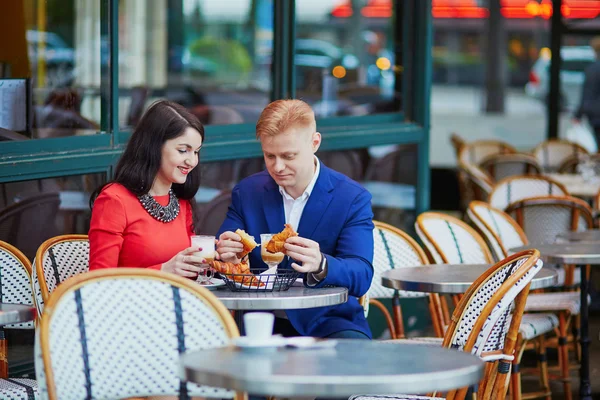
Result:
pixel 533 325
pixel 19 389
pixel 392 397
pixel 566 301
pixel 562 274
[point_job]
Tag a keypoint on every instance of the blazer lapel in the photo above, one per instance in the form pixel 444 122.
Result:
pixel 317 204
pixel 273 208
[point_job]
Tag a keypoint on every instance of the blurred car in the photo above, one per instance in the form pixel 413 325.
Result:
pixel 59 58
pixel 575 59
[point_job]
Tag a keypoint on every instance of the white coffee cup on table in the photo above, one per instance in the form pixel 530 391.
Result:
pixel 259 325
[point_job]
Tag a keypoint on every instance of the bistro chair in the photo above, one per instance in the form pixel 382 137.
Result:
pixel 474 184
pixel 475 152
pixel 515 188
pixel 347 162
pixel 503 233
pixel 394 249
pixel 483 324
pixel 119 333
pixel 58 259
pixel 552 153
pixel 569 166
pixel 15 288
pixel 450 240
pixel 458 143
pixel 500 166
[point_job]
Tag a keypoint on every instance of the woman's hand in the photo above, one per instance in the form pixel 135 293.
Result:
pixel 185 263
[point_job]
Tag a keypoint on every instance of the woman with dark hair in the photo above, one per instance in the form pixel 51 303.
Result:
pixel 143 218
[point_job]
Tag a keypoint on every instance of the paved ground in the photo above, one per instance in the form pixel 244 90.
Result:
pixel 458 109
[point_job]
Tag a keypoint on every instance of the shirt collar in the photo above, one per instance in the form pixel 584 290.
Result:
pixel 309 188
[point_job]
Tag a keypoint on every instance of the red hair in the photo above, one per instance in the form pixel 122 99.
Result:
pixel 281 115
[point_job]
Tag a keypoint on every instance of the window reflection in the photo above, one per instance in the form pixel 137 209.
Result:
pixel 56 46
pixel 345 61
pixel 210 56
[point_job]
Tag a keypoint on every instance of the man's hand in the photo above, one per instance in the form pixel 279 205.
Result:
pixel 228 246
pixel 306 251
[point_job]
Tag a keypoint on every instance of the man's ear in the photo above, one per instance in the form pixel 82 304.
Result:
pixel 316 141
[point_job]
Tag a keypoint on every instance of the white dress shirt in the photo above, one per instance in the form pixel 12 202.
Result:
pixel 293 207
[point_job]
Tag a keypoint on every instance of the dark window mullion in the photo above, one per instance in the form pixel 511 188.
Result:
pixel 282 67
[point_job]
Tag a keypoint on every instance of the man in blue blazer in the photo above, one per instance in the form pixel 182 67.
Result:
pixel 331 213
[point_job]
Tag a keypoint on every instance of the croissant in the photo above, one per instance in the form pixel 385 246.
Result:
pixel 238 272
pixel 247 241
pixel 276 243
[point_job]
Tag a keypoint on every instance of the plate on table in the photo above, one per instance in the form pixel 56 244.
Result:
pixel 213 285
pixel 248 343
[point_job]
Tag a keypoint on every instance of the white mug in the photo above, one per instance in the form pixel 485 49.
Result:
pixel 259 325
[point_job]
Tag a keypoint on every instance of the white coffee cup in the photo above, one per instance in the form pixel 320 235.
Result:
pixel 259 325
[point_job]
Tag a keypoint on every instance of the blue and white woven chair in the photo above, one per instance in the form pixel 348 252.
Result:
pixel 119 333
pixel 552 153
pixel 56 260
pixel 475 152
pixel 15 288
pixel 516 188
pixel 395 249
pixel 482 323
pixel 452 241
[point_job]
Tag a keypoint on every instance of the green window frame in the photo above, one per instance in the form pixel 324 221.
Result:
pixel 47 158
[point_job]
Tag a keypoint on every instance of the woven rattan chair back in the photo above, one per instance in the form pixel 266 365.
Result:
pixel 515 188
pixel 569 166
pixel 119 333
pixel 15 285
pixel 500 166
pixel 457 143
pixel 451 241
pixel 497 227
pixel 393 249
pixel 483 323
pixel 552 153
pixel 56 260
pixel 543 218
pixel 475 152
pixel 474 184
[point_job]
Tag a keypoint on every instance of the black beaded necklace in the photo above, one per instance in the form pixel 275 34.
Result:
pixel 161 213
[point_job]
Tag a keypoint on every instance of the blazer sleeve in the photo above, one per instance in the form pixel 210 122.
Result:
pixel 234 218
pixel 352 265
pixel 106 231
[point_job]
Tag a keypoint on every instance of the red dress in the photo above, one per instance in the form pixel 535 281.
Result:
pixel 123 234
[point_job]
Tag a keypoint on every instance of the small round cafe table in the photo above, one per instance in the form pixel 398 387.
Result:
pixel 449 278
pixel 351 367
pixel 16 313
pixel 580 254
pixel 591 236
pixel 297 297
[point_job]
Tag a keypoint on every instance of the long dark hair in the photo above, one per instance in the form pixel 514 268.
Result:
pixel 163 120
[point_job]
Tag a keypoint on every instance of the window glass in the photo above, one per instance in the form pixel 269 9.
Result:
pixel 56 45
pixel 213 57
pixel 34 211
pixel 345 61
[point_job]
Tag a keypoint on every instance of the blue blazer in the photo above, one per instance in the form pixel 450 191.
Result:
pixel 338 216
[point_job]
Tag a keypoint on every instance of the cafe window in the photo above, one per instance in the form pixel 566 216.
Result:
pixel 55 47
pixel 345 57
pixel 213 57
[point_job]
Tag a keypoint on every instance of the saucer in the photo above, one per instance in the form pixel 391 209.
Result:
pixel 215 283
pixel 247 343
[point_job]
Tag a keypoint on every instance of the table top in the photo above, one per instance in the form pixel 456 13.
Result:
pixel 591 236
pixel 16 313
pixel 566 253
pixel 391 195
pixel 297 297
pixel 448 278
pixel 576 185
pixel 351 367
